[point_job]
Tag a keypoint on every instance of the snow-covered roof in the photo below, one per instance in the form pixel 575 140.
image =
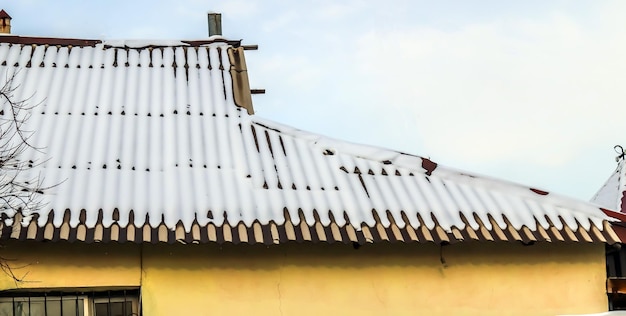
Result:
pixel 612 195
pixel 144 142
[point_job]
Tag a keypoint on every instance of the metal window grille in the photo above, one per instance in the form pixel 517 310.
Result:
pixel 63 303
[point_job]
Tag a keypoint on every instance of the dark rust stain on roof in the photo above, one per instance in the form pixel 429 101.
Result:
pixel 622 206
pixel 540 192
pixel 428 165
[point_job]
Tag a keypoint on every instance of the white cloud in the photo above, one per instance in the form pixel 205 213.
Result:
pixel 292 72
pixel 504 90
pixel 336 10
pixel 237 9
pixel 282 21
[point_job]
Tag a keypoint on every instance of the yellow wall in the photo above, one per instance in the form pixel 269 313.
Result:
pixel 65 265
pixel 306 279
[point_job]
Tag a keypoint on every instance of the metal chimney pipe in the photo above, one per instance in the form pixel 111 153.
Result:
pixel 215 24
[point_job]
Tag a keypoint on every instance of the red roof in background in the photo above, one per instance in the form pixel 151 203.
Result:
pixel 4 14
pixel 617 215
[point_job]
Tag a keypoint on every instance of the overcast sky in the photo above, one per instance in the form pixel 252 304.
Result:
pixel 529 91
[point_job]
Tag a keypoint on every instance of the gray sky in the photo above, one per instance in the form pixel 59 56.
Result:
pixel 530 91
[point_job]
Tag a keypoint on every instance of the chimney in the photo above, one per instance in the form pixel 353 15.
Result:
pixel 215 24
pixel 5 26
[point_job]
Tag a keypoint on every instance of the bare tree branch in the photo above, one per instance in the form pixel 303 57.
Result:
pixel 20 191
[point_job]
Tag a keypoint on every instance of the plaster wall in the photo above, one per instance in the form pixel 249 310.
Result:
pixel 307 279
pixel 65 265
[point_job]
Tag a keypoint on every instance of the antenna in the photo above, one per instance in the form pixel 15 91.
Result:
pixel 620 152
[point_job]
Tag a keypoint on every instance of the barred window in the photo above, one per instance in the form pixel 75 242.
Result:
pixel 56 303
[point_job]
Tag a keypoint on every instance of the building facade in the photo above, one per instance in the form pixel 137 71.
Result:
pixel 162 194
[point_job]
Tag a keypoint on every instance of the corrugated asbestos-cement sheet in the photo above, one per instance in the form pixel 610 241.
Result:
pixel 143 142
pixel 612 195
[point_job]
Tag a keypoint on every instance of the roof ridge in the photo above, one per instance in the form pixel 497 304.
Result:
pixel 123 43
pixel 4 14
pixel 37 40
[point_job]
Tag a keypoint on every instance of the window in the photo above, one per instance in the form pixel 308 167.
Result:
pixel 18 306
pixel 115 307
pixel 103 303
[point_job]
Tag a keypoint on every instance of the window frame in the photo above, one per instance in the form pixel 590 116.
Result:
pixel 89 298
pixel 114 299
pixel 43 298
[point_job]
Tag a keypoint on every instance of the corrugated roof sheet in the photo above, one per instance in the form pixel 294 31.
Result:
pixel 144 142
pixel 612 195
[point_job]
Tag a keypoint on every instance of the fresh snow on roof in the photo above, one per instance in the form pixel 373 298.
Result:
pixel 613 190
pixel 156 132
